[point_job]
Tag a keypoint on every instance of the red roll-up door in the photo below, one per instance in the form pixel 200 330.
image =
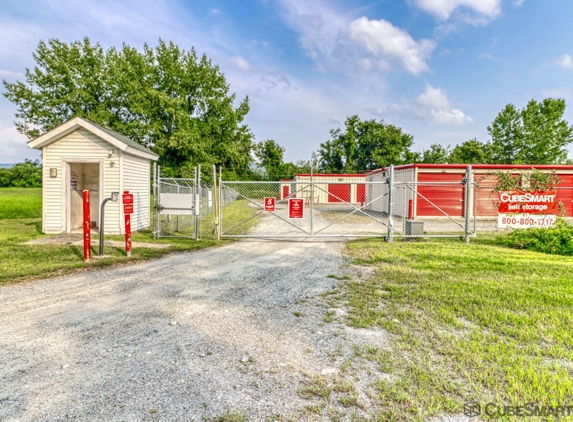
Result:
pixel 447 197
pixel 339 193
pixel 361 193
pixel 285 192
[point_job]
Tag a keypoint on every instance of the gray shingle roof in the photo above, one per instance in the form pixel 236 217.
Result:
pixel 121 137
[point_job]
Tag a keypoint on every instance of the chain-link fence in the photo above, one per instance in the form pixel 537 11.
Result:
pixel 184 207
pixel 332 205
pixel 299 209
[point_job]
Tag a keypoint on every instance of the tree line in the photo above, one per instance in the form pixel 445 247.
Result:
pixel 178 103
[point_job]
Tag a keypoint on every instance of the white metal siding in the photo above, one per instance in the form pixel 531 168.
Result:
pixel 79 146
pixel 136 180
pixel 321 184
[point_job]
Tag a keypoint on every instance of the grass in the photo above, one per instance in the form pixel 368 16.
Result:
pixel 474 322
pixel 20 203
pixel 19 261
pixel 239 217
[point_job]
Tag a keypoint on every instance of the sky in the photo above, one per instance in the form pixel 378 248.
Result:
pixel 439 69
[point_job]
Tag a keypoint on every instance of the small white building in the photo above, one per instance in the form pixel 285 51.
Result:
pixel 81 154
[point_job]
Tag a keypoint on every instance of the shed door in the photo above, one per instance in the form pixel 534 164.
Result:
pixel 339 193
pixel 448 198
pixel 285 192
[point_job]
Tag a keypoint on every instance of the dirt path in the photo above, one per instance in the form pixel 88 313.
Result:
pixel 179 338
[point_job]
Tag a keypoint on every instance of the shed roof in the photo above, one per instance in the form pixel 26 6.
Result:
pixel 116 139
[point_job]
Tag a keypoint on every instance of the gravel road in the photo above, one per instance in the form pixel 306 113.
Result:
pixel 185 337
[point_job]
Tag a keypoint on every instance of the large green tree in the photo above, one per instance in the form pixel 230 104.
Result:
pixel 471 152
pixel 364 145
pixel 270 155
pixel 535 134
pixel 437 154
pixel 173 101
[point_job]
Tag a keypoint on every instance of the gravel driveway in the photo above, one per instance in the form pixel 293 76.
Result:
pixel 184 337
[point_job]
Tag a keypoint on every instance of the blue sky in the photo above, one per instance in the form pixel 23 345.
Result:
pixel 440 69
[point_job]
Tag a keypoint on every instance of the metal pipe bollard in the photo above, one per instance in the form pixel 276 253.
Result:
pixel 114 198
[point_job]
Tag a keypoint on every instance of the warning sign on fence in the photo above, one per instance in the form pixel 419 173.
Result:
pixel 295 208
pixel 270 204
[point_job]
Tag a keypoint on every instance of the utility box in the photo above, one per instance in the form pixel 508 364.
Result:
pixel 414 228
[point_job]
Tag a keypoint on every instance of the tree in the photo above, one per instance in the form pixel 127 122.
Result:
pixel 437 154
pixel 270 155
pixel 364 145
pixel 472 152
pixel 170 100
pixel 536 134
pixel 22 175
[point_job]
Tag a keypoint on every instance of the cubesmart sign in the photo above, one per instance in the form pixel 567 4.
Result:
pixel 295 208
pixel 270 204
pixel 536 202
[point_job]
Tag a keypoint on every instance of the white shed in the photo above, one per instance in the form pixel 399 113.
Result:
pixel 81 154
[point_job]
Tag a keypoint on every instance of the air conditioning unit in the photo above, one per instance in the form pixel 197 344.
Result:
pixel 414 228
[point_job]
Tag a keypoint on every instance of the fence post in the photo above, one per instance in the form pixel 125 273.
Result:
pixel 467 198
pixel 158 202
pixel 154 200
pixel 197 200
pixel 390 203
pixel 311 196
pixel 220 203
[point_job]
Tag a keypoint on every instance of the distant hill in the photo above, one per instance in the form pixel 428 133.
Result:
pixel 6 165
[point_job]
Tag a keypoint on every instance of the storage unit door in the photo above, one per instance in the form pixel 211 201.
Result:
pixel 361 193
pixel 447 197
pixel 285 192
pixel 339 193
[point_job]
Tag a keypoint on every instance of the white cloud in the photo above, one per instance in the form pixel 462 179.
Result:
pixel 241 63
pixel 336 40
pixel 215 11
pixel 518 3
pixel 481 10
pixel 13 146
pixel 565 61
pixel 435 103
pixel 11 75
pixel 383 40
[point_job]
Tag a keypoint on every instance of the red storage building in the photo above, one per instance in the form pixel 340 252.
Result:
pixel 436 189
pixel 328 188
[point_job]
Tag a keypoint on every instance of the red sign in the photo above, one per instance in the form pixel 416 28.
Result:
pixel 127 199
pixel 295 208
pixel 536 202
pixel 270 204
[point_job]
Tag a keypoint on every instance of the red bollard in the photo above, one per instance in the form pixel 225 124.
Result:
pixel 410 209
pixel 128 234
pixel 87 225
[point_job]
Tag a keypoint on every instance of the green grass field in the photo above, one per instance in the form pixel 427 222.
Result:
pixel 20 203
pixel 469 323
pixel 20 221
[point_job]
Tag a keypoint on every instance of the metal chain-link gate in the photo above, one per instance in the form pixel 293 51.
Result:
pixel 183 207
pixel 315 206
